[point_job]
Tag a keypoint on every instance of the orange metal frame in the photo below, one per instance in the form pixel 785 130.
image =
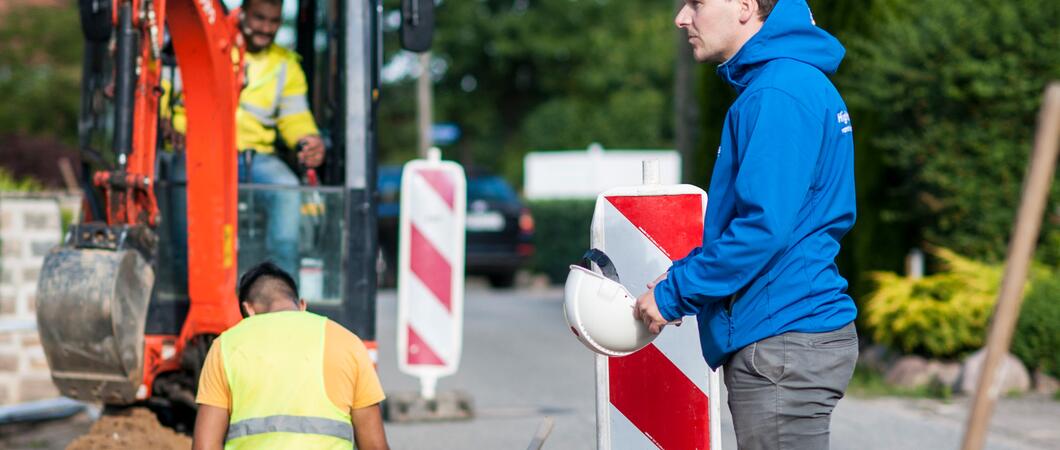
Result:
pixel 209 47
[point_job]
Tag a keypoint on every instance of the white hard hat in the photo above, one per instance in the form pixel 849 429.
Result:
pixel 600 313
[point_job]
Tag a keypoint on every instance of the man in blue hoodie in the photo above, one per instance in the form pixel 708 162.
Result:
pixel 770 302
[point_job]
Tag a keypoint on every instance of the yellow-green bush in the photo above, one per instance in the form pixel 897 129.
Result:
pixel 943 315
pixel 9 182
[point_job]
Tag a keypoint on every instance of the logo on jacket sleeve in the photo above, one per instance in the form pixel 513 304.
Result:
pixel 844 119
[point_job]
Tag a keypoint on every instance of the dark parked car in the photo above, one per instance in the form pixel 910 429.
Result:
pixel 500 228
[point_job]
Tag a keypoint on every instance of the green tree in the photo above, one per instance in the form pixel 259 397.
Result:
pixel 547 74
pixel 878 241
pixel 953 90
pixel 40 71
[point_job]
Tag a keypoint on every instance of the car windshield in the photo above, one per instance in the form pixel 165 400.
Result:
pixel 489 188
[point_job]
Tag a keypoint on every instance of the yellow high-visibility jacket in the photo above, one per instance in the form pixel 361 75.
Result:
pixel 273 99
pixel 274 364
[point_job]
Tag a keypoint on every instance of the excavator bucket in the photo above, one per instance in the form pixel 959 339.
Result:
pixel 91 312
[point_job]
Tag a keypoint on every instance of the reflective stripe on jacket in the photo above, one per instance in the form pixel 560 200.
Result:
pixel 273 99
pixel 274 364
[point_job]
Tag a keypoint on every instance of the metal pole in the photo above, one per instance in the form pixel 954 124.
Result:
pixel 1021 249
pixel 426 103
pixel 125 84
pixel 686 107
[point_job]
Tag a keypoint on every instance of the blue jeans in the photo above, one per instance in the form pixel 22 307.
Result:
pixel 282 206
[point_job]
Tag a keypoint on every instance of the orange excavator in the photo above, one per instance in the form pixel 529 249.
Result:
pixel 127 306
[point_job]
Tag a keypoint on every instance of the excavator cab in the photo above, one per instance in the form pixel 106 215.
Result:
pixel 128 305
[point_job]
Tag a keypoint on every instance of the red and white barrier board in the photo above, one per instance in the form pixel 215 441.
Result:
pixel 431 269
pixel 664 396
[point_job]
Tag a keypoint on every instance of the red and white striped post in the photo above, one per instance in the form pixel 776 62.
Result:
pixel 664 395
pixel 431 269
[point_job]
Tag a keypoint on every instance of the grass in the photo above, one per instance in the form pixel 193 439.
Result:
pixel 870 383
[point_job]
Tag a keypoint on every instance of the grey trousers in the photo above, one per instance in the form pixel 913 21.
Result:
pixel 782 389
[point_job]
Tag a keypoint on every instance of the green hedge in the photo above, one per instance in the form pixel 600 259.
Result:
pixel 1037 338
pixel 953 91
pixel 562 235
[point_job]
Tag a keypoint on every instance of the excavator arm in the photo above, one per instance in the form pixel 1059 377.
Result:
pixel 95 288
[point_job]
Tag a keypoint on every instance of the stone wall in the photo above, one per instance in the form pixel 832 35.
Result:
pixel 30 225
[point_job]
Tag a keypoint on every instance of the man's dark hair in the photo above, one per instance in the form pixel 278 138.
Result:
pixel 266 283
pixel 246 3
pixel 765 7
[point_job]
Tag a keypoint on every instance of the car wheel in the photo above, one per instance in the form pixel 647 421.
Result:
pixel 502 280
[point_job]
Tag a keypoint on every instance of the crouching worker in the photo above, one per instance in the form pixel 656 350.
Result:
pixel 286 378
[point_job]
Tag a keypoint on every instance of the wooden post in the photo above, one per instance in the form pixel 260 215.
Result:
pixel 686 104
pixel 425 102
pixel 1021 248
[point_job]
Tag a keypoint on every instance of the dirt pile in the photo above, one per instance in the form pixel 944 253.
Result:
pixel 134 428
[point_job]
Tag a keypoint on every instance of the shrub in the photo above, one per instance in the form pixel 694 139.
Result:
pixel 1037 338
pixel 9 183
pixel 562 234
pixel 942 316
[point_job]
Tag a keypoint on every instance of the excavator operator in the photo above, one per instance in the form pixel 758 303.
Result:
pixel 273 101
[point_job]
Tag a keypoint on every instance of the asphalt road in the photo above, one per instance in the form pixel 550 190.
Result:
pixel 521 364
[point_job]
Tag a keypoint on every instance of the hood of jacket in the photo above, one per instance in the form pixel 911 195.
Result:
pixel 789 32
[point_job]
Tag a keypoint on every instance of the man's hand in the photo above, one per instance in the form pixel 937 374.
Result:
pixel 312 154
pixel 648 312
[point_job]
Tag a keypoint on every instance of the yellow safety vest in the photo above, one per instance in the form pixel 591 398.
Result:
pixel 273 99
pixel 274 363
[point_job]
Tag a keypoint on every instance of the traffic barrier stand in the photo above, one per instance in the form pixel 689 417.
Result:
pixel 664 395
pixel 431 288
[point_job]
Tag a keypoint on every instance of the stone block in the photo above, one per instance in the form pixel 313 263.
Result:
pixel 38 362
pixel 8 305
pixel 7 220
pixel 36 388
pixel 31 303
pixel 7 277
pixel 30 340
pixel 11 248
pixel 41 220
pixel 30 274
pixel 7 338
pixel 1012 376
pixel 8 362
pixel 6 397
pixel 39 248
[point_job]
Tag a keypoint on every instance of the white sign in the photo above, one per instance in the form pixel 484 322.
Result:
pixel 431 269
pixel 587 173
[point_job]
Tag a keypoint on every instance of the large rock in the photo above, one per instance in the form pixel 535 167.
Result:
pixel 914 372
pixel 1012 376
pixel 909 372
pixel 946 374
pixel 876 358
pixel 1045 384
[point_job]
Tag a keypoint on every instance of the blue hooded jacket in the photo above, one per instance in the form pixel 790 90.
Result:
pixel 781 196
